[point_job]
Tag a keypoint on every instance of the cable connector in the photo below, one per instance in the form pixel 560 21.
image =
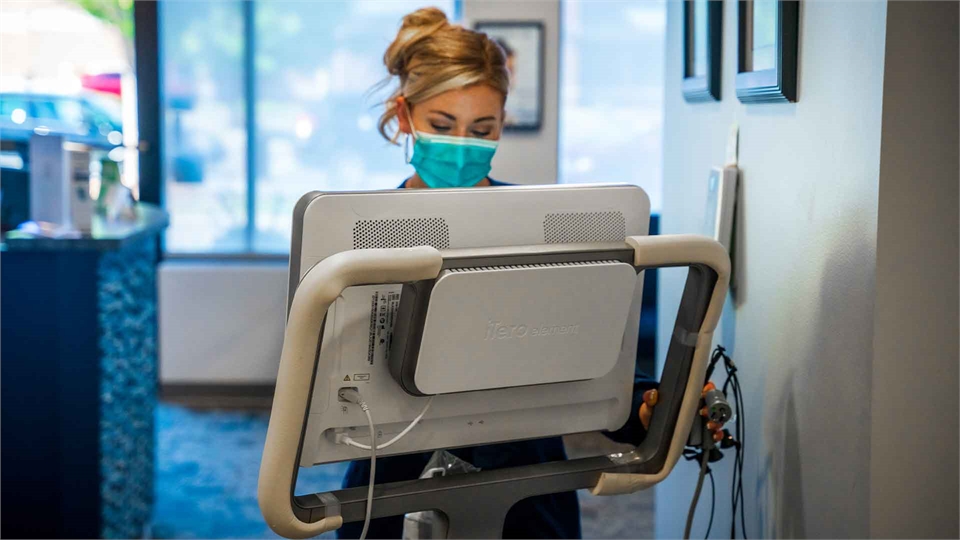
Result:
pixel 352 395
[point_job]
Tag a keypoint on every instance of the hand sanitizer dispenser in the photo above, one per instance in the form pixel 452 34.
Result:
pixel 60 182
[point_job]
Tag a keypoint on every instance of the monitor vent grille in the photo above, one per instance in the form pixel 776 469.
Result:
pixel 580 227
pixel 401 233
pixel 530 266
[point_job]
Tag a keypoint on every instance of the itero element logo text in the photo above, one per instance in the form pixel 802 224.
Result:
pixel 498 330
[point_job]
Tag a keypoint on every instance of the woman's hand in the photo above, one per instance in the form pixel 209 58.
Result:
pixel 650 398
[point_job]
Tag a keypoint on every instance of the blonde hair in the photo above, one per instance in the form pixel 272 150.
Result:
pixel 430 56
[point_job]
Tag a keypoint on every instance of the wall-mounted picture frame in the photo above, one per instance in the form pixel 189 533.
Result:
pixel 523 43
pixel 767 38
pixel 702 31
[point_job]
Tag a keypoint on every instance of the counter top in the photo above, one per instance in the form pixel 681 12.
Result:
pixel 104 235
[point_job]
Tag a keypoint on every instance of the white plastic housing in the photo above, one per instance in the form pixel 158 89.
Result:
pixel 355 342
pixel 523 325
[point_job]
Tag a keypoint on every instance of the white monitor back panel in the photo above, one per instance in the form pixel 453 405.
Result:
pixel 358 329
pixel 490 328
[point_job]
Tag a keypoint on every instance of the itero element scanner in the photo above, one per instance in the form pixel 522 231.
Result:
pixel 481 315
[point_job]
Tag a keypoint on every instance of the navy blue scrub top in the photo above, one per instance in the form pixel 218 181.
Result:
pixel 555 515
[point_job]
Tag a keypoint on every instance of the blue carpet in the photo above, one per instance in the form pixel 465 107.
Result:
pixel 207 467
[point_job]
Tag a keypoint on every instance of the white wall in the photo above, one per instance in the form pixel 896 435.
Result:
pixel 802 328
pixel 845 321
pixel 913 461
pixel 221 322
pixel 528 157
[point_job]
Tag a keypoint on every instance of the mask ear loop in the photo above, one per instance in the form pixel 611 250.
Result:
pixel 406 142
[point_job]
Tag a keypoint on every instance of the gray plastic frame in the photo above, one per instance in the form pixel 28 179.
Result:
pixel 476 504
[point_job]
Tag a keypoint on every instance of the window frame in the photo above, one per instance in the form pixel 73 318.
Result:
pixel 149 72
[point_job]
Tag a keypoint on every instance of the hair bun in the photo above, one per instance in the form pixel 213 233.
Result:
pixel 415 27
pixel 424 17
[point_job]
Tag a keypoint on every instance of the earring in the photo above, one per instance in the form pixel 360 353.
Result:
pixel 406 148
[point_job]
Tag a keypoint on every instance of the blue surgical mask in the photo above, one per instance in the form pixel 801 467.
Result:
pixel 443 161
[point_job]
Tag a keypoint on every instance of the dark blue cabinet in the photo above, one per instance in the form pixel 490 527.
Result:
pixel 79 382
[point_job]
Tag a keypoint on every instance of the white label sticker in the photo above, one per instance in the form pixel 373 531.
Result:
pixel 383 315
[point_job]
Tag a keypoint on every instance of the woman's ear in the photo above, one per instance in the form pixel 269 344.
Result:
pixel 403 115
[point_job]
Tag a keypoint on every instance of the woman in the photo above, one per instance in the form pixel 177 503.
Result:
pixel 450 102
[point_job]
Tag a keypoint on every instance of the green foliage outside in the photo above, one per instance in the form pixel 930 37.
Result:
pixel 116 13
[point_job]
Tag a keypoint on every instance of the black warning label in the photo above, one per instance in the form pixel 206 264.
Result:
pixel 383 315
